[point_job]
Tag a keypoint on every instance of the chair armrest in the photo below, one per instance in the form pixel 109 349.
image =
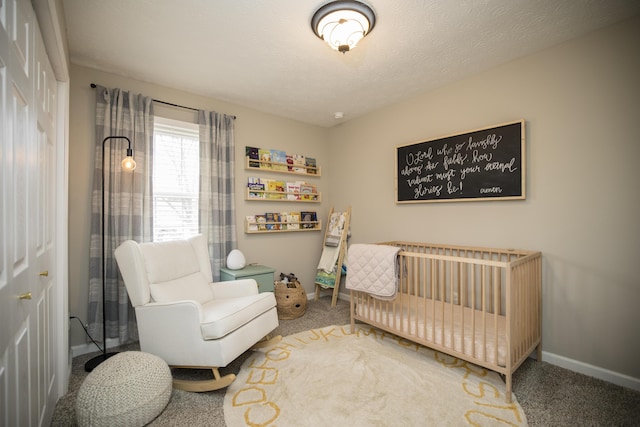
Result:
pixel 234 288
pixel 170 330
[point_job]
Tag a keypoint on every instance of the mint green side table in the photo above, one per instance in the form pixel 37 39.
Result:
pixel 262 274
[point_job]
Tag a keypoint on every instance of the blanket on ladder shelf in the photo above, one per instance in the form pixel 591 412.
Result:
pixel 331 249
pixel 373 269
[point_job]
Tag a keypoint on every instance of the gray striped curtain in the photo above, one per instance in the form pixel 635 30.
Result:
pixel 217 200
pixel 127 206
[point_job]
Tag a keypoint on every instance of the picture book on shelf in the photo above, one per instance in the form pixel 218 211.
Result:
pixel 311 163
pixel 276 189
pixel 293 190
pixel 308 219
pixel 293 221
pixel 256 188
pixel 272 220
pixel 261 220
pixel 253 153
pixel 277 218
pixel 252 224
pixel 283 218
pixel 265 158
pixel 308 192
pixel 289 163
pixel 279 159
pixel 299 163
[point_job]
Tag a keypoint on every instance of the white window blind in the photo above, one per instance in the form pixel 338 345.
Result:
pixel 175 179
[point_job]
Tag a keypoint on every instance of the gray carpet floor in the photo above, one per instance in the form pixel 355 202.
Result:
pixel 549 395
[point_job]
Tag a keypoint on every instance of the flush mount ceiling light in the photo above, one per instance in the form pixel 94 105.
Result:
pixel 342 24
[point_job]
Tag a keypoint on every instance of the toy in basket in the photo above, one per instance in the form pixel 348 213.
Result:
pixel 291 298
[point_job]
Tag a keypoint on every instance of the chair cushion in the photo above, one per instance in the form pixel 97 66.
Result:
pixel 171 260
pixel 220 317
pixel 192 287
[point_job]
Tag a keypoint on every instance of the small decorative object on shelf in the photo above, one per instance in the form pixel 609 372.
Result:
pixel 236 260
pixel 272 160
pixel 275 190
pixel 273 222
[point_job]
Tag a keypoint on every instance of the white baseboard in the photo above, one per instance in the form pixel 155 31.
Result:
pixel 592 371
pixel 344 297
pixel 78 350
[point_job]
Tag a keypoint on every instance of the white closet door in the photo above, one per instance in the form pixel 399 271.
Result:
pixel 27 218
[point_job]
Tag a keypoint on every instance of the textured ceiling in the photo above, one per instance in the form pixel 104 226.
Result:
pixel 263 55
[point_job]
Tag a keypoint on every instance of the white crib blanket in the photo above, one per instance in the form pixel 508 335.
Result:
pixel 373 269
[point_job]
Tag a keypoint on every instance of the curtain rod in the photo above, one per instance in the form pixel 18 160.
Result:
pixel 93 85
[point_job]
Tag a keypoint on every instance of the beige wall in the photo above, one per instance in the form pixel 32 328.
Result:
pixel 286 252
pixel 581 103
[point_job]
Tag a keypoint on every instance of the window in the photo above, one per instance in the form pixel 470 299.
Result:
pixel 176 167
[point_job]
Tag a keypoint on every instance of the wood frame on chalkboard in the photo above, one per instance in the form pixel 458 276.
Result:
pixel 486 164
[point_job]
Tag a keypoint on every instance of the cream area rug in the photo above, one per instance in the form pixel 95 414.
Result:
pixel 330 377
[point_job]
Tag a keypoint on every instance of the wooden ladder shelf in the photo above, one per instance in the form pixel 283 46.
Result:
pixel 336 216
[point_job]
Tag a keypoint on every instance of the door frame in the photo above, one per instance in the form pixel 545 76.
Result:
pixel 50 19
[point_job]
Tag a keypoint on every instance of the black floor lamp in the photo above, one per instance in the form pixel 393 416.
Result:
pixel 128 164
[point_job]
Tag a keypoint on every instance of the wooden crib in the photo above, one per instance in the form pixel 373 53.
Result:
pixel 477 304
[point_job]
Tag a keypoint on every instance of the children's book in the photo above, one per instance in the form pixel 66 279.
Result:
pixel 279 159
pixel 284 219
pixel 277 218
pixel 252 224
pixel 298 163
pixel 253 153
pixel 271 221
pixel 276 190
pixel 293 221
pixel 293 190
pixel 311 163
pixel 308 219
pixel 307 191
pixel 261 220
pixel 256 188
pixel 265 158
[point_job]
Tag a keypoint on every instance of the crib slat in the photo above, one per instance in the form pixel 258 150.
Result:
pixel 473 308
pixel 484 313
pixel 496 312
pixel 442 291
pixel 451 307
pixel 424 297
pixel 433 299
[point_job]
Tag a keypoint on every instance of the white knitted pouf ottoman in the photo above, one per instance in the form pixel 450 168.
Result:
pixel 128 389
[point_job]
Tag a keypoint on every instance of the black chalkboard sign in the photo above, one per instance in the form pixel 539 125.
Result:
pixel 484 164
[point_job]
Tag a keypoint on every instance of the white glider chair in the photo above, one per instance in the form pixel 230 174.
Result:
pixel 185 318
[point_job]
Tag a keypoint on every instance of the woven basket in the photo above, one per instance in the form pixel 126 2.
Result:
pixel 291 299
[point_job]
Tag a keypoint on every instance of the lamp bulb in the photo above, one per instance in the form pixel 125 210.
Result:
pixel 128 163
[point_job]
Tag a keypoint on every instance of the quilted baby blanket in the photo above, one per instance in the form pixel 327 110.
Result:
pixel 373 269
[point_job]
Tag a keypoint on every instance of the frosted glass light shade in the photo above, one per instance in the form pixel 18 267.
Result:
pixel 236 260
pixel 343 23
pixel 342 30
